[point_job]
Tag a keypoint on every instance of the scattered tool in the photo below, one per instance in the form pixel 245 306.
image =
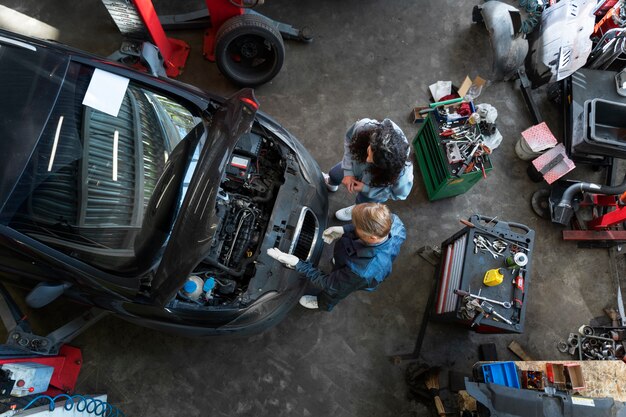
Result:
pixel 505 304
pixel 488 308
pixel 490 233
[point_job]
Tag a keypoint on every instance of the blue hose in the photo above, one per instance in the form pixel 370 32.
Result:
pixel 84 403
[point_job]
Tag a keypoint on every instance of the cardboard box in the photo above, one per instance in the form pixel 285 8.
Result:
pixel 478 83
pixel 574 376
pixel 556 375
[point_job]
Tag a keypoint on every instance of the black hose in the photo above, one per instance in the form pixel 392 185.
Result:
pixel 563 211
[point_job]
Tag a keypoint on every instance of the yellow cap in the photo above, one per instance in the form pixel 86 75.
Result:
pixel 493 277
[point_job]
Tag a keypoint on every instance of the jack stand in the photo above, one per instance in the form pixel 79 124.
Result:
pixel 139 24
pixel 22 341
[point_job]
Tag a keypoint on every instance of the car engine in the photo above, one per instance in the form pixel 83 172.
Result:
pixel 244 205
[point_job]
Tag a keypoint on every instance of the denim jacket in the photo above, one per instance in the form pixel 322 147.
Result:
pixel 398 191
pixel 357 266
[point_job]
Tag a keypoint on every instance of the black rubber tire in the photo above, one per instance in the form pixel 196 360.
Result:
pixel 249 51
pixel 540 203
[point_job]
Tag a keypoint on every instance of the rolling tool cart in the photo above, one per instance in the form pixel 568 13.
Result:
pixel 483 276
pixel 450 163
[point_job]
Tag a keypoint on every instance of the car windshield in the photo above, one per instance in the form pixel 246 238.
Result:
pixel 92 177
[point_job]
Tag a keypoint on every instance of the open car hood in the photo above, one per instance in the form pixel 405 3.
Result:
pixel 193 231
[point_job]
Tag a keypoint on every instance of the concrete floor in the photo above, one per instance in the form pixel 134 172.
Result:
pixel 368 59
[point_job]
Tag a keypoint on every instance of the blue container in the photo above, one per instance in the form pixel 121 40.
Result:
pixel 501 373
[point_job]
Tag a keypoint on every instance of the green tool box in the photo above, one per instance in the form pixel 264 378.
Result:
pixel 439 180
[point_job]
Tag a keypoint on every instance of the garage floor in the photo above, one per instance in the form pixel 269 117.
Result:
pixel 368 59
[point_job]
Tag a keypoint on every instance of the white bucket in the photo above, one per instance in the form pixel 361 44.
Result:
pixel 523 151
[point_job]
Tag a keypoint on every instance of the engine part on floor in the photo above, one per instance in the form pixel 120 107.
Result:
pixel 247 46
pixel 563 44
pixel 596 343
pixel 501 400
pixel 509 47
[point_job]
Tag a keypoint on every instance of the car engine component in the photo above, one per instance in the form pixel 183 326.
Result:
pixel 254 173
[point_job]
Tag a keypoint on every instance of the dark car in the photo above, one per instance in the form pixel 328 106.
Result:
pixel 161 212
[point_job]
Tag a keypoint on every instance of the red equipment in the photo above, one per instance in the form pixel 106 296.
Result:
pixel 599 228
pixel 66 368
pixel 174 51
pixel 247 46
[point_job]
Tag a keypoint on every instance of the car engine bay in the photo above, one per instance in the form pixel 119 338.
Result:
pixel 243 208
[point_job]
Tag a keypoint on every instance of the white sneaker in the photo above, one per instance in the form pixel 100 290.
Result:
pixel 331 188
pixel 308 301
pixel 345 214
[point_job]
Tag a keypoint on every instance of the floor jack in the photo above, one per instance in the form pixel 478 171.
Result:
pixel 30 364
pixel 246 46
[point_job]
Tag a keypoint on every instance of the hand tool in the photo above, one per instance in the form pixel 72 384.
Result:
pixel 490 233
pixel 518 290
pixel 484 244
pixel 488 308
pixel 505 304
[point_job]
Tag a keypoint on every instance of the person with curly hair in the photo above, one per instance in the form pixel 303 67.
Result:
pixel 375 164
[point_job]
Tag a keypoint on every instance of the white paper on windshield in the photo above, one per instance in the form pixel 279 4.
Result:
pixel 106 92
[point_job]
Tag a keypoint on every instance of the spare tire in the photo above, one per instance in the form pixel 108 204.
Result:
pixel 249 50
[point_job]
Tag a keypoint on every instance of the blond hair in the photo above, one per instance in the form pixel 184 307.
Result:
pixel 373 219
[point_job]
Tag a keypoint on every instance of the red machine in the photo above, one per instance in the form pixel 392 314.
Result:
pixel 603 226
pixel 33 365
pixel 247 46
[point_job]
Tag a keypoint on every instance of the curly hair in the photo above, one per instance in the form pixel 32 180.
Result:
pixel 390 152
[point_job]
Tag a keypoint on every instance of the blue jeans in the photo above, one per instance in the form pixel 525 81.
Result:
pixel 336 176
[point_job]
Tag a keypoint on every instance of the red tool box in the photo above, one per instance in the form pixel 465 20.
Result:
pixel 466 257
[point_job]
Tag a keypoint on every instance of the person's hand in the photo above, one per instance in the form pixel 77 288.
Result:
pixel 357 186
pixel 289 261
pixel 349 181
pixel 332 233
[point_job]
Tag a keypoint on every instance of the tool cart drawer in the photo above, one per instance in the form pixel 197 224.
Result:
pixel 464 262
pixel 437 172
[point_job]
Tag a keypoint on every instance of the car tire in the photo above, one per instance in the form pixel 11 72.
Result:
pixel 249 51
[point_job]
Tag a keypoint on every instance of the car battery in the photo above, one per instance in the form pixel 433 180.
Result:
pixel 238 168
pixel 466 258
pixel 30 378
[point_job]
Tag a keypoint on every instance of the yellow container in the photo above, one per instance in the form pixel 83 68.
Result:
pixel 493 277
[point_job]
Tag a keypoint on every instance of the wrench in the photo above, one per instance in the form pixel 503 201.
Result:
pixel 480 244
pixel 505 304
pixel 488 309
